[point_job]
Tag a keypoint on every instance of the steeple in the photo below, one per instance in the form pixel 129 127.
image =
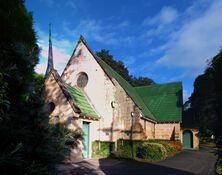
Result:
pixel 50 56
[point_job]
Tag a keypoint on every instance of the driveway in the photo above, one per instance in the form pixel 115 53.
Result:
pixel 188 162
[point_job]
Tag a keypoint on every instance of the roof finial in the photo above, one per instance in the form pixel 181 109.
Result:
pixel 50 55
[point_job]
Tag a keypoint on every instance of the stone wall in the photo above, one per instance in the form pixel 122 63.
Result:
pixel 167 131
pixel 149 128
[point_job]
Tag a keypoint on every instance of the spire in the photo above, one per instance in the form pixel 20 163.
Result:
pixel 50 56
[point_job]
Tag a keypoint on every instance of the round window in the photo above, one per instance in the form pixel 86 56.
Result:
pixel 82 80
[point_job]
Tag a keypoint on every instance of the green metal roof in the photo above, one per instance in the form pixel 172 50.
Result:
pixel 164 101
pixel 161 103
pixel 81 101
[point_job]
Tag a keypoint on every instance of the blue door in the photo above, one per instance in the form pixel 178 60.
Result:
pixel 187 139
pixel 85 150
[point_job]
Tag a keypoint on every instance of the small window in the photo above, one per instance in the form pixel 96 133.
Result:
pixel 82 80
pixel 51 107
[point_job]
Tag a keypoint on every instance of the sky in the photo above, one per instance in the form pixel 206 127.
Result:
pixel 166 40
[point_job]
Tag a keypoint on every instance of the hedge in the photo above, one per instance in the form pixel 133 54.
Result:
pixel 104 150
pixel 129 148
pixel 133 149
pixel 172 147
pixel 151 151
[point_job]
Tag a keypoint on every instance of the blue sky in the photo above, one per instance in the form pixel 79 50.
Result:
pixel 166 40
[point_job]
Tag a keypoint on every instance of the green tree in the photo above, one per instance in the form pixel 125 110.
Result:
pixel 141 81
pixel 119 67
pixel 206 99
pixel 29 145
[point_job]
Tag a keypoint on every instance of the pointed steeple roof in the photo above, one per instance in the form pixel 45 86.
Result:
pixel 50 55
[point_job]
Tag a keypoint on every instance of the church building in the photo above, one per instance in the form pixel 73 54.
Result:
pixel 91 96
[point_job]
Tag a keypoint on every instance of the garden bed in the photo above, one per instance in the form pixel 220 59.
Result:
pixel 145 150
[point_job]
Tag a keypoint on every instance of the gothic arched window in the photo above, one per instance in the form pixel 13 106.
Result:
pixel 50 107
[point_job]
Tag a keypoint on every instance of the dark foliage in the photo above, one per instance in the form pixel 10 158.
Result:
pixel 206 99
pixel 28 144
pixel 120 68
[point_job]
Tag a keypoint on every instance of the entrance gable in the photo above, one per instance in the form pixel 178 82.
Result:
pixel 85 72
pixel 53 95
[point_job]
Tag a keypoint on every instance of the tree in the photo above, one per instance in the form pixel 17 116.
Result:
pixel 29 145
pixel 141 81
pixel 206 99
pixel 120 68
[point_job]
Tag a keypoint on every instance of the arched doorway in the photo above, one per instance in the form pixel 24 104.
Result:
pixel 187 139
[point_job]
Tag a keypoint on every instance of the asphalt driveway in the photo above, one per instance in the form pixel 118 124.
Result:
pixel 188 162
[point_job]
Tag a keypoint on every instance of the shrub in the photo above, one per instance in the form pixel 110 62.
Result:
pixel 169 149
pixel 151 151
pixel 128 148
pixel 176 145
pixel 102 148
pixel 219 167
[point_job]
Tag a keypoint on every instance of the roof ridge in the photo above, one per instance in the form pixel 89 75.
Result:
pixel 81 38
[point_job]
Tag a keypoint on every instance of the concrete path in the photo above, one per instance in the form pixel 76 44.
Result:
pixel 188 162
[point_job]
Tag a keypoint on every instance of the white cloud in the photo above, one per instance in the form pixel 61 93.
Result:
pixel 129 60
pixel 166 16
pixel 153 51
pixel 197 40
pixel 62 48
pixel 122 25
pixel 71 3
pixel 99 31
pixel 161 24
pixel 60 59
pixel 41 68
pixel 92 29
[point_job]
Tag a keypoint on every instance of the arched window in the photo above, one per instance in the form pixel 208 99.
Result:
pixel 50 107
pixel 82 80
